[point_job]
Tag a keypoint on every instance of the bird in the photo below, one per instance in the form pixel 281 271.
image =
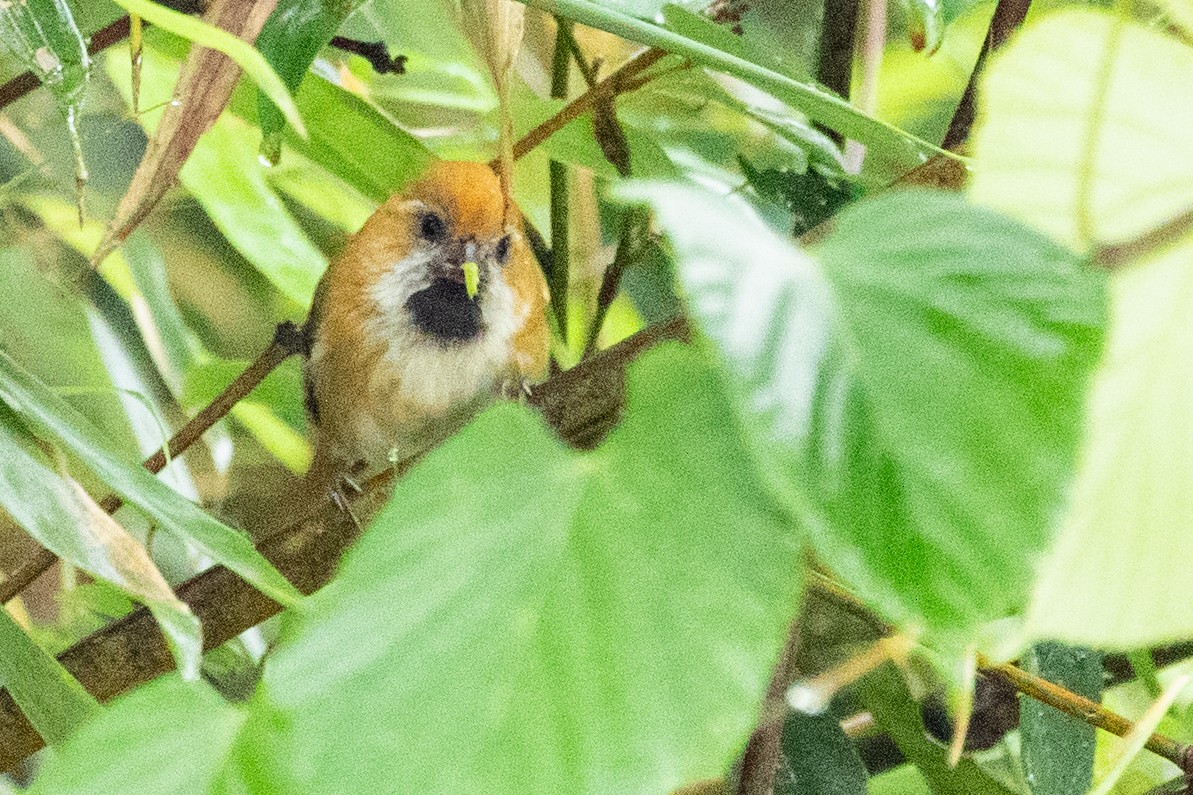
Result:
pixel 433 310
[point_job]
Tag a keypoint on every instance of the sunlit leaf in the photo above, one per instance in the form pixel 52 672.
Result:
pixel 65 520
pixel 1082 135
pixel 50 415
pixel 614 636
pixel 917 398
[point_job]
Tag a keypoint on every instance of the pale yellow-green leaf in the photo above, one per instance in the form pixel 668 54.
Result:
pixel 1083 132
pixel 1083 129
pixel 1138 736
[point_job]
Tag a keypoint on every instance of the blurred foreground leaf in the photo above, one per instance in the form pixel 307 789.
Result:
pixel 167 737
pixel 50 415
pixel 53 700
pixel 560 622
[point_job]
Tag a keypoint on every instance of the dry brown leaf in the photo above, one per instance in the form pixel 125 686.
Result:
pixel 203 89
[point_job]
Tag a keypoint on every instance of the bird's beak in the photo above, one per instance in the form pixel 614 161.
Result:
pixel 472 275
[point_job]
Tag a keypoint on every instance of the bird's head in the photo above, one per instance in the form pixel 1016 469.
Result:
pixel 448 247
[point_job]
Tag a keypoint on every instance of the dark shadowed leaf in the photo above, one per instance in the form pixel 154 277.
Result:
pixel 818 759
pixel 1058 750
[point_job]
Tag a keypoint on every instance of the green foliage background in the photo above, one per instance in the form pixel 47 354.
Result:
pixel 968 414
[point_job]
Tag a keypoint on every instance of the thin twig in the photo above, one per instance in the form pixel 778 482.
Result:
pixel 287 341
pixel 558 179
pixel 764 752
pixel 375 52
pixel 633 227
pixel 618 82
pixel 587 70
pixel 1087 711
pixel 834 61
pixel 1008 16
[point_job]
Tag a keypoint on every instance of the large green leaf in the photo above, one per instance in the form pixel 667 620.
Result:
pixel 522 618
pixel 168 737
pixel 1083 134
pixel 50 415
pixel 917 397
pixel 53 700
pixel 64 519
pixel 352 138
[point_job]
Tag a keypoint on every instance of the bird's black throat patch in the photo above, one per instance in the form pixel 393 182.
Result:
pixel 445 311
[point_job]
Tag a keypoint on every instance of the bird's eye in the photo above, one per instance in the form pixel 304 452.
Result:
pixel 432 228
pixel 502 252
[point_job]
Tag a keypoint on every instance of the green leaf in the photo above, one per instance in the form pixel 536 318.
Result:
pixel 168 737
pixel 207 35
pixel 522 618
pixel 1057 749
pixel 898 150
pixel 903 780
pixel 51 415
pixel 351 138
pixel 53 700
pixel 290 40
pixel 65 520
pixel 226 176
pixel 916 399
pixel 1083 136
pixel 818 759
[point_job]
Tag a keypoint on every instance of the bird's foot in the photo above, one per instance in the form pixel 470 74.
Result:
pixel 339 497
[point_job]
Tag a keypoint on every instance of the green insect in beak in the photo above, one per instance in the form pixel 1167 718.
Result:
pixel 472 278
